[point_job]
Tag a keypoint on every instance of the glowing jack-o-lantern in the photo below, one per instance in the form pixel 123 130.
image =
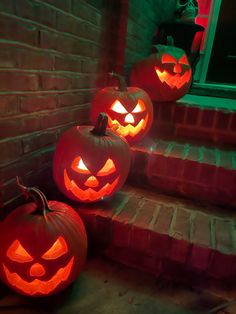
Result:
pixel 129 109
pixel 90 164
pixel 165 75
pixel 43 246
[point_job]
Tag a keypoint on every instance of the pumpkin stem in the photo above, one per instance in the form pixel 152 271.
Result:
pixel 121 81
pixel 38 196
pixel 101 125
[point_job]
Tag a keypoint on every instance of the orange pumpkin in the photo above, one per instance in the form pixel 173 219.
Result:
pixel 43 246
pixel 129 109
pixel 165 75
pixel 90 164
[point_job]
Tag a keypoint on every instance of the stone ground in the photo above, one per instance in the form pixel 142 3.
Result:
pixel 105 287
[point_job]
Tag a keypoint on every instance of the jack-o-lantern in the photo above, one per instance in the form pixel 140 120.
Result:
pixel 90 164
pixel 129 109
pixel 165 75
pixel 43 246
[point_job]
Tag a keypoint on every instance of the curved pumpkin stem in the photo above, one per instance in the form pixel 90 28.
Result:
pixel 38 196
pixel 121 81
pixel 101 125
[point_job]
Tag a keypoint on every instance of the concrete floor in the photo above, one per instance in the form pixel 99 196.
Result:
pixel 105 287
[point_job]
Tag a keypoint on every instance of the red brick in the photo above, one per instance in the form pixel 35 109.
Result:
pixel 207 118
pixel 7 6
pixel 48 40
pixel 179 114
pixel 68 64
pixel 61 4
pixel 55 82
pixel 193 153
pixel 233 122
pixel 34 60
pixel 222 120
pixel 13 81
pixel 65 100
pixel 223 235
pixel 37 103
pixel 177 150
pixel 70 24
pixel 7 57
pixel 201 233
pixel 157 165
pixel 90 66
pixel 85 12
pixel 200 257
pixel 36 12
pixel 226 159
pixel 12 29
pixel 209 156
pixel 121 234
pixel 192 116
pixel 207 175
pixel 175 167
pixel 83 81
pixel 56 118
pixel 8 105
pixel 129 210
pixel 10 150
pixel 191 170
pixel 222 265
pixel 37 141
pixel 225 178
pixel 166 110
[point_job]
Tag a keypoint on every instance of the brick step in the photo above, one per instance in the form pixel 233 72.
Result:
pixel 189 120
pixel 164 235
pixel 201 173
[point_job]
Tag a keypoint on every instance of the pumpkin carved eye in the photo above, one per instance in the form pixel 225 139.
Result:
pixel 58 249
pixel 107 169
pixel 168 59
pixel 139 107
pixel 17 253
pixel 184 60
pixel 118 107
pixel 79 166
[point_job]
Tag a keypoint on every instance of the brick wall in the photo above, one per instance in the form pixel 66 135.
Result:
pixel 143 18
pixel 50 58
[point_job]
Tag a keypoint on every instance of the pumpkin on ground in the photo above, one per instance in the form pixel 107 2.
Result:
pixel 43 246
pixel 90 164
pixel 129 109
pixel 165 75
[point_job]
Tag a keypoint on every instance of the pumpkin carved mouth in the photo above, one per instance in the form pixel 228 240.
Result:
pixel 174 80
pixel 38 286
pixel 129 129
pixel 89 194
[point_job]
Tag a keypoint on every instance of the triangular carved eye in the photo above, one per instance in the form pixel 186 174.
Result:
pixel 79 166
pixel 107 169
pixel 17 253
pixel 168 59
pixel 139 107
pixel 58 249
pixel 184 60
pixel 118 107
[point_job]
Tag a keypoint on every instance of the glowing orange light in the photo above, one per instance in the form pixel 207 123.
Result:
pixel 107 169
pixel 17 253
pixel 118 107
pixel 184 60
pixel 91 182
pixel 58 249
pixel 37 270
pixel 174 80
pixel 89 194
pixel 38 286
pixel 129 118
pixel 79 166
pixel 139 107
pixel 128 129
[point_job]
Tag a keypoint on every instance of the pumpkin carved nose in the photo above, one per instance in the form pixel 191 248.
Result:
pixel 91 182
pixel 37 270
pixel 177 68
pixel 129 118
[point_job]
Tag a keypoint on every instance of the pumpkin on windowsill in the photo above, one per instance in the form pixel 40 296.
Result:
pixel 165 75
pixel 129 109
pixel 43 246
pixel 91 163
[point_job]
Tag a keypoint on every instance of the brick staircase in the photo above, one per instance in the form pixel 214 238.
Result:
pixel 175 217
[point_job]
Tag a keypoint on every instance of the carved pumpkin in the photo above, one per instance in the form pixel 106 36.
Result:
pixel 90 164
pixel 43 246
pixel 129 109
pixel 165 75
